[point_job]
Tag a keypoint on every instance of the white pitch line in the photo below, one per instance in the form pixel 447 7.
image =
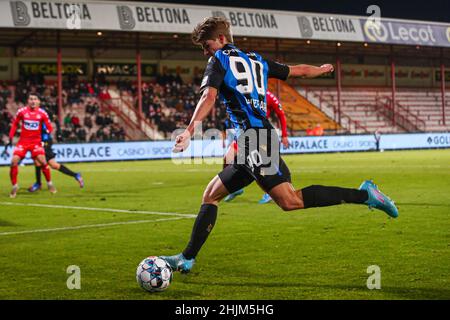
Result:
pixel 173 214
pixel 100 225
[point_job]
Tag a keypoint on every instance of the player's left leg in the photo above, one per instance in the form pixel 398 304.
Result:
pixel 63 169
pixel 232 178
pixel 45 170
pixel 13 173
pixel 203 225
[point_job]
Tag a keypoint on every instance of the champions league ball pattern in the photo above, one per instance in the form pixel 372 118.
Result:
pixel 154 274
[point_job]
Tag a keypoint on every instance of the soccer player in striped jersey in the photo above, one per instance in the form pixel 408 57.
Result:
pixel 50 156
pixel 240 79
pixel 273 105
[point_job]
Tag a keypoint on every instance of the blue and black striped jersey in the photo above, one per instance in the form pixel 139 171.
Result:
pixel 227 124
pixel 241 79
pixel 45 136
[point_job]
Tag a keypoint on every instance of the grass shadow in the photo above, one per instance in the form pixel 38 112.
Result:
pixel 166 295
pixel 399 204
pixel 401 292
pixel 5 223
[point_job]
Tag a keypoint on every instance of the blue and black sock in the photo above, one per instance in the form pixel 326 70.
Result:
pixel 322 196
pixel 203 226
pixel 38 174
pixel 67 171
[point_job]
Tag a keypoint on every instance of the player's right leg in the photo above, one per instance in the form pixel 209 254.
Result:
pixel 50 156
pixel 313 196
pixel 287 198
pixel 40 157
pixel 232 178
pixel 14 171
pixel 63 169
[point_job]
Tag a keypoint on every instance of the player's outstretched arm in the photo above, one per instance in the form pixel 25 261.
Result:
pixel 309 71
pixel 14 125
pixel 202 110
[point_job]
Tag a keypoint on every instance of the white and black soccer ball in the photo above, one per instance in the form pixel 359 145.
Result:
pixel 154 274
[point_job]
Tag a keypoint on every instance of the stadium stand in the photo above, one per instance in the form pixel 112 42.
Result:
pixel 301 114
pixel 415 110
pixel 167 104
pixel 84 119
pixel 102 111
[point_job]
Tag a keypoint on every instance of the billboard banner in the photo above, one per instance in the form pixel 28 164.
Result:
pixel 178 18
pixel 146 150
pixel 406 33
pixel 120 151
pixel 183 19
pixel 124 69
pixel 51 68
pixel 437 75
pixel 327 27
pixel 415 141
pixel 330 144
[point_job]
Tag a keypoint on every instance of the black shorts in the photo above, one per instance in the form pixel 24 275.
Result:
pixel 49 154
pixel 258 159
pixel 235 177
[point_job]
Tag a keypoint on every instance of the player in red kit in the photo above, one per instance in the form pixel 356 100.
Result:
pixel 273 104
pixel 31 117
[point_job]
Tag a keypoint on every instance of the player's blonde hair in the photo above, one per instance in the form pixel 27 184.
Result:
pixel 210 29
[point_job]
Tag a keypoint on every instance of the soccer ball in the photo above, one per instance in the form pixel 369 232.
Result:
pixel 154 274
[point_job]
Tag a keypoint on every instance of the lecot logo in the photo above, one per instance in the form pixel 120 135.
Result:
pixel 399 33
pixel 448 34
pixel 375 31
pixel 419 34
pixel 31 125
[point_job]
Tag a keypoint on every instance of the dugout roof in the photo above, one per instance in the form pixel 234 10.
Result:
pixel 17 38
pixel 159 26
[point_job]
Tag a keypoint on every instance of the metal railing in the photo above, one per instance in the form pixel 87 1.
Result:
pixel 399 115
pixel 330 109
pixel 142 128
pixel 132 131
pixel 144 124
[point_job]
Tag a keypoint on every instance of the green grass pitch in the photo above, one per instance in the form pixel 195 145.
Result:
pixel 254 252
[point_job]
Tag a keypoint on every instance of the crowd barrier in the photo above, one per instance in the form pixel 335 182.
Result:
pixel 145 150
